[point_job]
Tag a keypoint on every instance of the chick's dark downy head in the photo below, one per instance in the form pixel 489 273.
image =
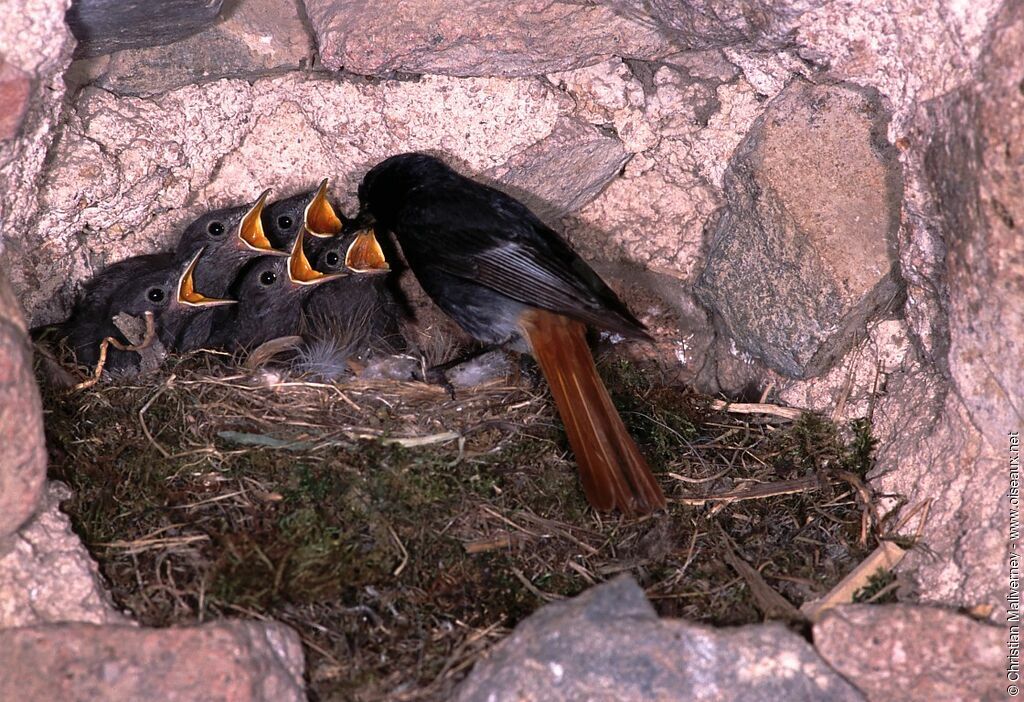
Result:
pixel 157 285
pixel 310 211
pixel 270 291
pixel 228 238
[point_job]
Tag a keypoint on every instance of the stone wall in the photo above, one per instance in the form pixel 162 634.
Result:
pixel 821 197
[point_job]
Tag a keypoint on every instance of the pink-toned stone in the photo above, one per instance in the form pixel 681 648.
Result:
pixel 23 447
pixel 47 576
pixel 913 653
pixel 232 661
pixel 15 86
pixel 946 429
pixel 476 38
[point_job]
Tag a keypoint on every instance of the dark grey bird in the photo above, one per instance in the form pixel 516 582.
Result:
pixel 271 292
pixel 311 210
pixel 507 278
pixel 229 238
pixel 153 283
pixel 357 312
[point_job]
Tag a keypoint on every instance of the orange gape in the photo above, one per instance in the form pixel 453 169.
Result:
pixel 613 472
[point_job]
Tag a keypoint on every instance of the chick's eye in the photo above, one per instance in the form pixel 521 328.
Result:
pixel 268 278
pixel 284 221
pixel 215 228
pixel 332 259
pixel 155 295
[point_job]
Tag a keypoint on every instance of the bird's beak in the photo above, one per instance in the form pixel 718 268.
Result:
pixel 187 294
pixel 364 255
pixel 320 218
pixel 299 270
pixel 250 229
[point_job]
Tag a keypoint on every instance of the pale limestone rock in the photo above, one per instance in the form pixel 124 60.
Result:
pixel 47 576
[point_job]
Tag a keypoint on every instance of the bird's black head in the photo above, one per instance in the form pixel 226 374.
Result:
pixel 390 182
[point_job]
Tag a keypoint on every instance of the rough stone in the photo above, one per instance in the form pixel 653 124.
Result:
pixel 568 168
pixel 101 26
pixel 15 90
pixel 47 576
pixel 130 172
pixel 654 214
pixel 850 389
pixel 906 652
pixel 233 661
pixel 23 449
pixel 699 24
pixel 954 452
pixel 914 50
pixel 608 644
pixel 801 256
pixel 255 37
pixel 35 46
pixel 476 38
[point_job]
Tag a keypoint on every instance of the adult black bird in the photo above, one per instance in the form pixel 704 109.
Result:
pixel 311 212
pixel 153 283
pixel 506 278
pixel 228 237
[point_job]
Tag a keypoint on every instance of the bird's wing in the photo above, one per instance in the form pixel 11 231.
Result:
pixel 493 240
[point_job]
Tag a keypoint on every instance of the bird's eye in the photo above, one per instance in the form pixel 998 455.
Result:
pixel 215 228
pixel 332 259
pixel 155 295
pixel 284 221
pixel 268 278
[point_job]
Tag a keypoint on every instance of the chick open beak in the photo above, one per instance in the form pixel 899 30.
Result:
pixel 187 294
pixel 250 229
pixel 299 270
pixel 364 255
pixel 320 218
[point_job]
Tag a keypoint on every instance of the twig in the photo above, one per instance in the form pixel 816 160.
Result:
pixel 768 600
pixel 791 413
pixel 885 558
pixel 401 548
pixel 145 408
pixel 757 492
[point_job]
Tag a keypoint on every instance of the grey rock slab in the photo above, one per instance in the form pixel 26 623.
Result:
pixel 254 38
pixel 608 644
pixel 102 26
pixel 47 576
pixel 564 171
pixel 801 257
pixel 476 38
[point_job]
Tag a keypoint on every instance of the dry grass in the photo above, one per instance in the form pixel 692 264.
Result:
pixel 402 532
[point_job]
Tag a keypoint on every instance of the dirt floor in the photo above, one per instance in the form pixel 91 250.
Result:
pixel 403 532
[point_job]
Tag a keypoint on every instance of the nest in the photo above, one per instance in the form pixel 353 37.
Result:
pixel 402 532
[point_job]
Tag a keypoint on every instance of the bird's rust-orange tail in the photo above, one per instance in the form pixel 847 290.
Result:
pixel 613 472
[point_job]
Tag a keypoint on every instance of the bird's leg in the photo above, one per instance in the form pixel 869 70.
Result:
pixel 111 341
pixel 147 339
pixel 437 374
